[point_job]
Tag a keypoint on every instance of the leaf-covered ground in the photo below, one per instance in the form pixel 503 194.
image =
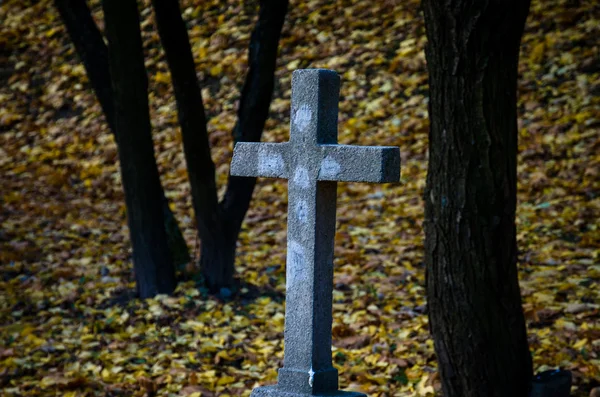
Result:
pixel 64 251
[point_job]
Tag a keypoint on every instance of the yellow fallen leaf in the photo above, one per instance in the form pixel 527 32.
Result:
pixel 225 380
pixel 162 77
pixel 537 54
pixel 423 390
pixel 580 344
pixel 216 71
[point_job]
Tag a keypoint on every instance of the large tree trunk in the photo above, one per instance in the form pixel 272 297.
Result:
pixel 154 270
pixel 219 223
pixel 472 287
pixel 90 47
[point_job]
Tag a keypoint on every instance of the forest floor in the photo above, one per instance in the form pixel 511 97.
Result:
pixel 64 245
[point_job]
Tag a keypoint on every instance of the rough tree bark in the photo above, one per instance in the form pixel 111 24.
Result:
pixel 90 47
pixel 472 288
pixel 154 270
pixel 219 223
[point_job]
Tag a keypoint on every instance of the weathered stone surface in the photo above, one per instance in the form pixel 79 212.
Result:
pixel 273 391
pixel 313 163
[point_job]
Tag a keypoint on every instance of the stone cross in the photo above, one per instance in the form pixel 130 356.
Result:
pixel 313 162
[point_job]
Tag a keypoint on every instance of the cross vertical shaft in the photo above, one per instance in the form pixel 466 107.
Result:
pixel 311 231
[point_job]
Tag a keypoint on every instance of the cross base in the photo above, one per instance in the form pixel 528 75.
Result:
pixel 299 381
pixel 273 391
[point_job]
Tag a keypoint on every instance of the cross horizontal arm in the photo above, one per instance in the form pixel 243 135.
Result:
pixel 348 163
pixel 259 159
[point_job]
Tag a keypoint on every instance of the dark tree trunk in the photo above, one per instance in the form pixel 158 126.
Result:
pixel 90 47
pixel 472 287
pixel 252 116
pixel 190 110
pixel 219 223
pixel 254 104
pixel 154 270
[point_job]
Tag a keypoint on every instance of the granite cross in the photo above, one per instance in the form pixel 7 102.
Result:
pixel 313 162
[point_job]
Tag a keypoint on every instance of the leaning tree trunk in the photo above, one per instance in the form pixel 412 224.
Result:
pixel 470 200
pixel 252 115
pixel 90 47
pixel 219 223
pixel 153 266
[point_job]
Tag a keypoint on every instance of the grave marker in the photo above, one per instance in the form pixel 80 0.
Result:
pixel 313 162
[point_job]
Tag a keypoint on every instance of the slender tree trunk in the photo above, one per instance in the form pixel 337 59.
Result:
pixel 252 116
pixel 190 110
pixel 219 223
pixel 472 287
pixel 254 104
pixel 90 47
pixel 153 266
